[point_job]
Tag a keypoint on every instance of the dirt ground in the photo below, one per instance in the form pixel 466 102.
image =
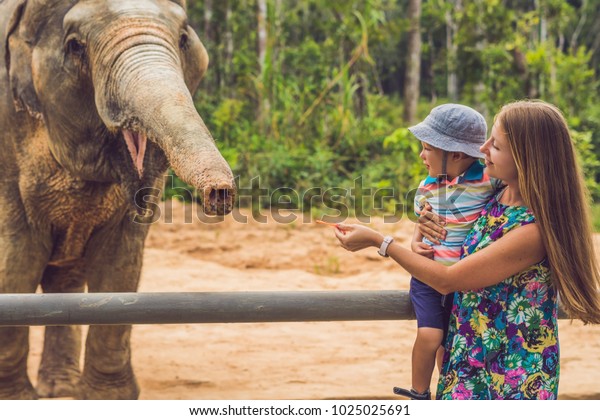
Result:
pixel 313 360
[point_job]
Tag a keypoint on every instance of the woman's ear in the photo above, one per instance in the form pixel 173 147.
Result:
pixel 17 59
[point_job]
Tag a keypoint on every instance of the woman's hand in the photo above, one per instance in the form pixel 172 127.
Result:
pixel 357 237
pixel 431 226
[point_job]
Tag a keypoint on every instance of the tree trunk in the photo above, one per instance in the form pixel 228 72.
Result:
pixel 262 32
pixel 208 40
pixel 452 51
pixel 595 45
pixel 430 68
pixel 208 14
pixel 228 59
pixel 412 77
pixel 583 17
pixel 543 38
pixel 263 106
pixel 480 45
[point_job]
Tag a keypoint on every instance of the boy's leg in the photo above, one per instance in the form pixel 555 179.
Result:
pixel 430 332
pixel 424 353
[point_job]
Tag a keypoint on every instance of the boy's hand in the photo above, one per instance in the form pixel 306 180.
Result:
pixel 431 226
pixel 423 249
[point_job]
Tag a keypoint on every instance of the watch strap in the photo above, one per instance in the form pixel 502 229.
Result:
pixel 384 246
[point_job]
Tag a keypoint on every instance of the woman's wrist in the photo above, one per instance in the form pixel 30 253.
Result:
pixel 377 239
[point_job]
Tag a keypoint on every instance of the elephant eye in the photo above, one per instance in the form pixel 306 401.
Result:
pixel 183 41
pixel 75 48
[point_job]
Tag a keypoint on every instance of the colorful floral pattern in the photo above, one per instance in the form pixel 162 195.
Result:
pixel 503 340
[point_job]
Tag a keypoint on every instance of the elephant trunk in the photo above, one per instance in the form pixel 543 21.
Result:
pixel 142 93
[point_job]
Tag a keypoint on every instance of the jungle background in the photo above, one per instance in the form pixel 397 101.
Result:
pixel 318 93
pixel 315 93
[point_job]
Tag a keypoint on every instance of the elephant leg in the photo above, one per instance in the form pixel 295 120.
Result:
pixel 14 349
pixel 108 373
pixel 114 265
pixel 59 372
pixel 22 261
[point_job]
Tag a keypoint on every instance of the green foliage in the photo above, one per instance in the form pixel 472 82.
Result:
pixel 575 87
pixel 325 109
pixel 596 217
pixel 403 158
pixel 588 159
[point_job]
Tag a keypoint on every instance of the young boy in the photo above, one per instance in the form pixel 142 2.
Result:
pixel 457 189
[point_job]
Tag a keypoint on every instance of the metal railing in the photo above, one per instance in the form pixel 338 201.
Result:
pixel 203 307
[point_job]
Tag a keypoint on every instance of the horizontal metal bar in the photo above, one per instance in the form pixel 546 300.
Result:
pixel 187 308
pixel 204 307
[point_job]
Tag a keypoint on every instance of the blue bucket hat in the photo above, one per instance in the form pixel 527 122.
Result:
pixel 453 128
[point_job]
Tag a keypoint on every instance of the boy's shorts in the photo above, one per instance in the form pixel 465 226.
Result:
pixel 431 307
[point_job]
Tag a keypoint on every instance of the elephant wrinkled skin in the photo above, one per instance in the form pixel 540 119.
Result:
pixel 95 103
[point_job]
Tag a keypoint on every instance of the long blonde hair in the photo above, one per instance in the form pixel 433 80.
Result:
pixel 552 186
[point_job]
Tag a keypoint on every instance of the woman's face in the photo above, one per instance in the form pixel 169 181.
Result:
pixel 498 157
pixel 432 159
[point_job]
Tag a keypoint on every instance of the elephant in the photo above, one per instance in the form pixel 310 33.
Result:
pixel 95 105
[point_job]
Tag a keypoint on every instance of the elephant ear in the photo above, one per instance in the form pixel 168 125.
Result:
pixel 196 64
pixel 18 52
pixel 182 3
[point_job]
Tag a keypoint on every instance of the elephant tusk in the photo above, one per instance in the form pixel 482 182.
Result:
pixel 136 144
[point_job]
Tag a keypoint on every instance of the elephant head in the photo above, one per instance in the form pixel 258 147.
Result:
pixel 111 80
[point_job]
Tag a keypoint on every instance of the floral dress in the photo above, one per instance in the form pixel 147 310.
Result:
pixel 502 341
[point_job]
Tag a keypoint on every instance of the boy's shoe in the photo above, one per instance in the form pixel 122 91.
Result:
pixel 412 394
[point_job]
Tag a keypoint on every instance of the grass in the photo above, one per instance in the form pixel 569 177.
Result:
pixel 331 266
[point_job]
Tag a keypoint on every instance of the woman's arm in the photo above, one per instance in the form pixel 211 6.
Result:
pixel 514 252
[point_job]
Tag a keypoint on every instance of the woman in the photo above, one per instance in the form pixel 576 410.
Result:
pixel 532 242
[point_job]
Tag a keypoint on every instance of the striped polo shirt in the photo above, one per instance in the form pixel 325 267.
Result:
pixel 459 202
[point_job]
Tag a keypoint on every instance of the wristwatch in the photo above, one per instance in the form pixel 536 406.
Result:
pixel 384 246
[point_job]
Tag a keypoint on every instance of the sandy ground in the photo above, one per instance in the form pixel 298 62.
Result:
pixel 313 360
